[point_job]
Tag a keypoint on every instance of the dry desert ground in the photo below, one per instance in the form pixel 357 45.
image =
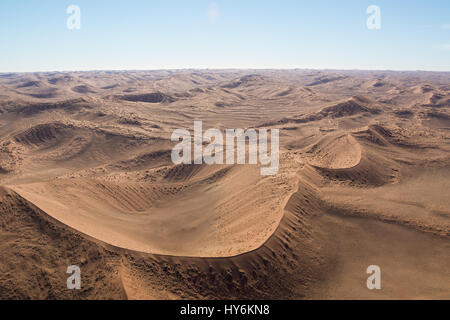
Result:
pixel 86 179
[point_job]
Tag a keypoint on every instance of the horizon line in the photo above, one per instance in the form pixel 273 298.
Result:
pixel 225 69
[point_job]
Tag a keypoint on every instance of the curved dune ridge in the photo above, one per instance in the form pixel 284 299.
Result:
pixel 335 152
pixel 66 142
pixel 202 213
pixel 45 135
pixel 133 275
pixel 89 181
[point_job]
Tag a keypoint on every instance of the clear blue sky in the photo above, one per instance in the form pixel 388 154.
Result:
pixel 156 34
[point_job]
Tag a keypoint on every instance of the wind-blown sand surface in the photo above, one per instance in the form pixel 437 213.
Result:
pixel 87 179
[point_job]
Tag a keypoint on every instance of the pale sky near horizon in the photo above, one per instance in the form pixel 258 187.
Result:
pixel 169 34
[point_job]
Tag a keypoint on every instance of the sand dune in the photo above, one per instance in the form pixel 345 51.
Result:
pixel 86 178
pixel 335 152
